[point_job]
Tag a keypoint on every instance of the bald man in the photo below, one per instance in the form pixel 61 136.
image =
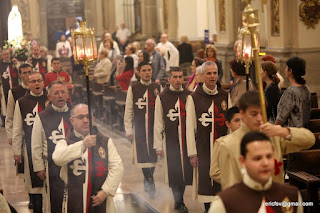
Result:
pixel 171 52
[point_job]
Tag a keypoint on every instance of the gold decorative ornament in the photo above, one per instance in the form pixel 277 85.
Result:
pixel 102 152
pixel 156 92
pixel 275 18
pixel 309 12
pixel 224 105
pixel 222 15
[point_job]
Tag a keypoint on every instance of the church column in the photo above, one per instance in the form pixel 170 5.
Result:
pixel 43 34
pixel 35 26
pixel 149 18
pixel 93 15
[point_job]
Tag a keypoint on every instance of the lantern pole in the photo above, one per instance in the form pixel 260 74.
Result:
pixel 88 95
pixel 252 18
pixel 81 56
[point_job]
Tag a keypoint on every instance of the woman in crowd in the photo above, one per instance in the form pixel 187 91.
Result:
pixel 271 91
pixel 294 106
pixel 192 82
pixel 108 45
pixel 63 48
pixel 239 87
pixel 211 55
pixel 123 76
pixel 102 70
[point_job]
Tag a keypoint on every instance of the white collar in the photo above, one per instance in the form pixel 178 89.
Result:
pixel 24 86
pixel 174 90
pixel 209 91
pixel 65 108
pixel 146 83
pixel 254 185
pixel 78 135
pixel 31 93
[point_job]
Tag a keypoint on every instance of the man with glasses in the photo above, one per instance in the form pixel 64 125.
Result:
pixel 27 107
pixel 50 126
pixel 80 152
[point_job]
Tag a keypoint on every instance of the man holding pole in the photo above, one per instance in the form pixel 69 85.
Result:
pixel 88 191
pixel 284 140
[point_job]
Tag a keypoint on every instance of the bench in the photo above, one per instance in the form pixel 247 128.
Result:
pixel 304 172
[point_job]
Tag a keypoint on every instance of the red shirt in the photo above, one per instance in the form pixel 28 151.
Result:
pixel 124 79
pixel 60 76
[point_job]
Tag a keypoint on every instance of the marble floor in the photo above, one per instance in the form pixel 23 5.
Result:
pixel 130 198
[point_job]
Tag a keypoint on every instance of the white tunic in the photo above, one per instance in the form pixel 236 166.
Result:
pixel 64 153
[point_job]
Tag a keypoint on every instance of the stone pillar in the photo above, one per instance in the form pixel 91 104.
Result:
pixel 35 26
pixel 43 23
pixel 149 18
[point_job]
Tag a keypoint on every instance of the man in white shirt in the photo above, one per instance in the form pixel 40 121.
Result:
pixel 123 35
pixel 171 52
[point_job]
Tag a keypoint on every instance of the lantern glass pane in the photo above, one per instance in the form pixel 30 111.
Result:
pixel 88 48
pixel 238 48
pixel 247 47
pixel 79 49
pixel 94 42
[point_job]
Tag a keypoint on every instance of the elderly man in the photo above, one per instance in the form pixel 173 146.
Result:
pixel 27 107
pixel 206 108
pixel 171 52
pixel 157 63
pixel 81 152
pixel 123 34
pixel 38 63
pixel 14 94
pixel 50 126
pixel 9 78
pixel 285 141
pixel 257 189
pixel 170 136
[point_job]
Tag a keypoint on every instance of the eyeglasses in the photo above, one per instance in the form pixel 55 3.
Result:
pixel 80 117
pixel 34 81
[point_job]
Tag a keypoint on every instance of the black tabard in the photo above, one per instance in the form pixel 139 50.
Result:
pixel 9 77
pixel 144 97
pixel 56 126
pixel 240 198
pixel 42 65
pixel 174 116
pixel 202 103
pixel 18 92
pixel 98 167
pixel 30 106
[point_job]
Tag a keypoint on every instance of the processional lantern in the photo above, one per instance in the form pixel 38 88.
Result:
pixel 85 51
pixel 249 47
